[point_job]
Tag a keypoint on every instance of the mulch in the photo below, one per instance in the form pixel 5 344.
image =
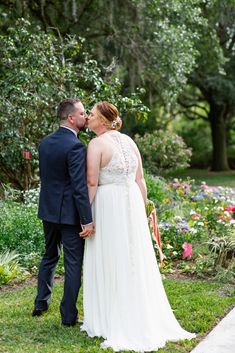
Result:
pixel 29 282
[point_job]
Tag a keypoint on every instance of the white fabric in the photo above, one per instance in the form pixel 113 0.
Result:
pixel 124 299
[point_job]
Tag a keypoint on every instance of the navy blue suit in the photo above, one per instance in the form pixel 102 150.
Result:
pixel 63 206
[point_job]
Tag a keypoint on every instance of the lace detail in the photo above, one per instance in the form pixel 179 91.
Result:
pixel 123 164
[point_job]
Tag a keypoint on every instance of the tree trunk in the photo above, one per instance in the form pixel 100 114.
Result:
pixel 218 131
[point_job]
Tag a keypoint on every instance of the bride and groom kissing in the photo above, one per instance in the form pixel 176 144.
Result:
pixel 93 203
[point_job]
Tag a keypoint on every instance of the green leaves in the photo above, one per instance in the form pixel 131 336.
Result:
pixel 163 152
pixel 10 268
pixel 37 71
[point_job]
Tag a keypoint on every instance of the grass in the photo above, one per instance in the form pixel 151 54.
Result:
pixel 198 305
pixel 211 178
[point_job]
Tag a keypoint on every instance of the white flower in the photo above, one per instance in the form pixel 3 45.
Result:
pixel 168 246
pixel 200 224
pixel 193 230
pixel 232 221
pixel 206 208
pixel 192 212
pixel 177 218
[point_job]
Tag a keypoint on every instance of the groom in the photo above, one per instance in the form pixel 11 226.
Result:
pixel 64 208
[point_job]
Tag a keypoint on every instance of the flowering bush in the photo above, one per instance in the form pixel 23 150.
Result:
pixel 163 152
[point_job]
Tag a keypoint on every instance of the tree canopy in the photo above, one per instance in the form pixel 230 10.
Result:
pixel 37 71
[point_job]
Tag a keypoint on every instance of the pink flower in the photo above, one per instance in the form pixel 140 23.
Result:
pixel 195 215
pixel 27 154
pixel 188 250
pixel 230 208
pixel 186 186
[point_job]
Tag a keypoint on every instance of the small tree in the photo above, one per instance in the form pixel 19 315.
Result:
pixel 37 71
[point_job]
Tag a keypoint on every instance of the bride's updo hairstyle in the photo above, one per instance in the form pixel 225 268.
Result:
pixel 109 115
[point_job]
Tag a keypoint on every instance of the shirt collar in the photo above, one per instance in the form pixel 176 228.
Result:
pixel 68 128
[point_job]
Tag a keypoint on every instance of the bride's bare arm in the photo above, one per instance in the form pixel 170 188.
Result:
pixel 93 167
pixel 140 174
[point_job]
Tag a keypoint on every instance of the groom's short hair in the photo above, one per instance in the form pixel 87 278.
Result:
pixel 66 107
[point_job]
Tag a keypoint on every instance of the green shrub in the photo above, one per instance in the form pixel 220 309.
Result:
pixel 163 152
pixel 20 229
pixel 157 188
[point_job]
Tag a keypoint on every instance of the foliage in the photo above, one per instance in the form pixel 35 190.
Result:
pixel 211 95
pixel 197 136
pixel 188 216
pixel 21 231
pixel 150 43
pixel 156 187
pixel 10 268
pixel 205 219
pixel 37 71
pixel 163 152
pixel 197 305
pixel 223 248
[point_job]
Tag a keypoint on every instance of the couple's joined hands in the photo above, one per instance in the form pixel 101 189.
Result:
pixel 87 230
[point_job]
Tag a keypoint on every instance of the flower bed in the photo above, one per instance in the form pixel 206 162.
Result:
pixel 196 224
pixel 190 219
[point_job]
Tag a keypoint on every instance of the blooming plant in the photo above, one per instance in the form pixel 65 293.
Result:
pixel 190 215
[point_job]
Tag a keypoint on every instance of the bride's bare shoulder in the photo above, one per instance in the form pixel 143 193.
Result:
pixel 96 142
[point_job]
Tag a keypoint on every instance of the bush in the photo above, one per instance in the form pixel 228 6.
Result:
pixel 20 230
pixel 163 152
pixel 157 188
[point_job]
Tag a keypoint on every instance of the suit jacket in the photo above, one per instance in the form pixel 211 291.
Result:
pixel 62 164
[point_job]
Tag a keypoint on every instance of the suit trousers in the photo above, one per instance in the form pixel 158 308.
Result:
pixel 57 235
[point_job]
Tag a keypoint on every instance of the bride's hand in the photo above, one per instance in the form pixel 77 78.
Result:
pixel 87 230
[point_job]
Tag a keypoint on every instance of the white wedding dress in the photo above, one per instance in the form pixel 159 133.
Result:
pixel 124 299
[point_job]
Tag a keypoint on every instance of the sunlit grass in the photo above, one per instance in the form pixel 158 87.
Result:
pixel 197 304
pixel 226 179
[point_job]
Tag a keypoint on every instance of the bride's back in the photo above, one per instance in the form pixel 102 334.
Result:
pixel 118 162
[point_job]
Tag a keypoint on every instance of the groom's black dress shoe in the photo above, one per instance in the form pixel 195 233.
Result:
pixel 80 322
pixel 69 324
pixel 38 312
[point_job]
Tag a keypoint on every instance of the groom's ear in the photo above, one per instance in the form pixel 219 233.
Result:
pixel 70 119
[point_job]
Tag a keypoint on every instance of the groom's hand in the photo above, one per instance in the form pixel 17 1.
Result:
pixel 87 230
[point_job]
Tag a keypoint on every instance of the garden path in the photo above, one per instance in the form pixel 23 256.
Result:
pixel 221 339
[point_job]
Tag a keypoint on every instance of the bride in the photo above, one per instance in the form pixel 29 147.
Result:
pixel 124 298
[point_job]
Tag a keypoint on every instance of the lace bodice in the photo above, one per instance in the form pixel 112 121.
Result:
pixel 123 165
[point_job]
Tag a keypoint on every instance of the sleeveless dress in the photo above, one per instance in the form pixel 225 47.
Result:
pixel 124 298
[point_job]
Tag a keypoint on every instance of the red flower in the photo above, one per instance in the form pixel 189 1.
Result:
pixel 195 215
pixel 27 154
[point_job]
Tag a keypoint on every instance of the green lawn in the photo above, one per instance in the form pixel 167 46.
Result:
pixel 211 178
pixel 198 305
